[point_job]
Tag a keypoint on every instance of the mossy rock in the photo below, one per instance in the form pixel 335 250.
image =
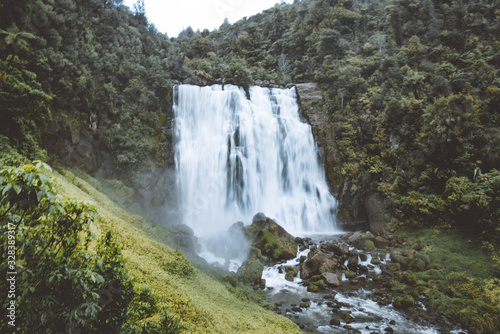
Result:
pixel 349 274
pixel 272 239
pixel 409 278
pixel 368 245
pixel 291 273
pixel 230 279
pixel 313 288
pixel 405 302
pixel 250 272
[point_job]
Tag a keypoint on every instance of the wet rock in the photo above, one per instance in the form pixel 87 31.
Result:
pixel 349 274
pixel 272 239
pixel 331 279
pixel 250 272
pixel 347 317
pixel 353 262
pixel 305 305
pixel 389 330
pixel 296 309
pixel 291 273
pixel 381 242
pixel 335 322
pixel 375 261
pixel 318 264
pixel 392 322
pixel 363 257
pixel 312 288
pixel 340 250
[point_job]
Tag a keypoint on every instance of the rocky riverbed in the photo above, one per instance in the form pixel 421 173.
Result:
pixel 348 283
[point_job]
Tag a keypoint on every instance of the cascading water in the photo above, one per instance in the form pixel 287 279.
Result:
pixel 237 156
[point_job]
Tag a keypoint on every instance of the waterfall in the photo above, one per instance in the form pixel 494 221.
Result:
pixel 237 156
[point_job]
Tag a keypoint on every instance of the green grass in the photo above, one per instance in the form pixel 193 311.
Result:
pixel 204 304
pixel 459 277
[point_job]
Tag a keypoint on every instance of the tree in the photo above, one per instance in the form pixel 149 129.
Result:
pixel 283 69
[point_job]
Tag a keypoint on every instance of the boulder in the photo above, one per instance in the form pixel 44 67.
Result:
pixel 250 272
pixel 397 257
pixel 186 240
pixel 341 250
pixel 381 242
pixel 272 239
pixel 318 264
pixel 353 262
pixel 331 279
pixel 405 302
pixel 291 273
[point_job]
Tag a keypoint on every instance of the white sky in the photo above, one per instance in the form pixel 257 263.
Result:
pixel 173 16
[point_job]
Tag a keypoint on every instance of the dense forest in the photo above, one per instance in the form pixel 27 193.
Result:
pixel 411 86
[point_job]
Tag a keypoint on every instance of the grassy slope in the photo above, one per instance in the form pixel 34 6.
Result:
pixel 202 303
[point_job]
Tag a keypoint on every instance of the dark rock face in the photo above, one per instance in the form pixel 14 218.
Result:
pixel 150 190
pixel 310 97
pixel 375 209
pixel 273 240
pixel 354 212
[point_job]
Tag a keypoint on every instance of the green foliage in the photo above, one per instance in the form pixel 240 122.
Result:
pixel 60 284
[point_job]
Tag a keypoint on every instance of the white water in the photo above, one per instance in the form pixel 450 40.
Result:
pixel 236 157
pixel 369 315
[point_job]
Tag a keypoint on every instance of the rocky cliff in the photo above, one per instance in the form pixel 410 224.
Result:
pixel 354 212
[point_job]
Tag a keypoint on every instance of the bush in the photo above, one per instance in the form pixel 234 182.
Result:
pixel 60 285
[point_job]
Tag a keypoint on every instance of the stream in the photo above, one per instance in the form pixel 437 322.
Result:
pixel 349 308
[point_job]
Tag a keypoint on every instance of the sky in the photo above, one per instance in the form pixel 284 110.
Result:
pixel 173 16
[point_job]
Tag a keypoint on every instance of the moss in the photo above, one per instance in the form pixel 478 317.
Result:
pixel 409 278
pixel 406 302
pixel 368 245
pixel 313 288
pixel 396 285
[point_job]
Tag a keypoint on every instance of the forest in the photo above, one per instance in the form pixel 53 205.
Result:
pixel 412 88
